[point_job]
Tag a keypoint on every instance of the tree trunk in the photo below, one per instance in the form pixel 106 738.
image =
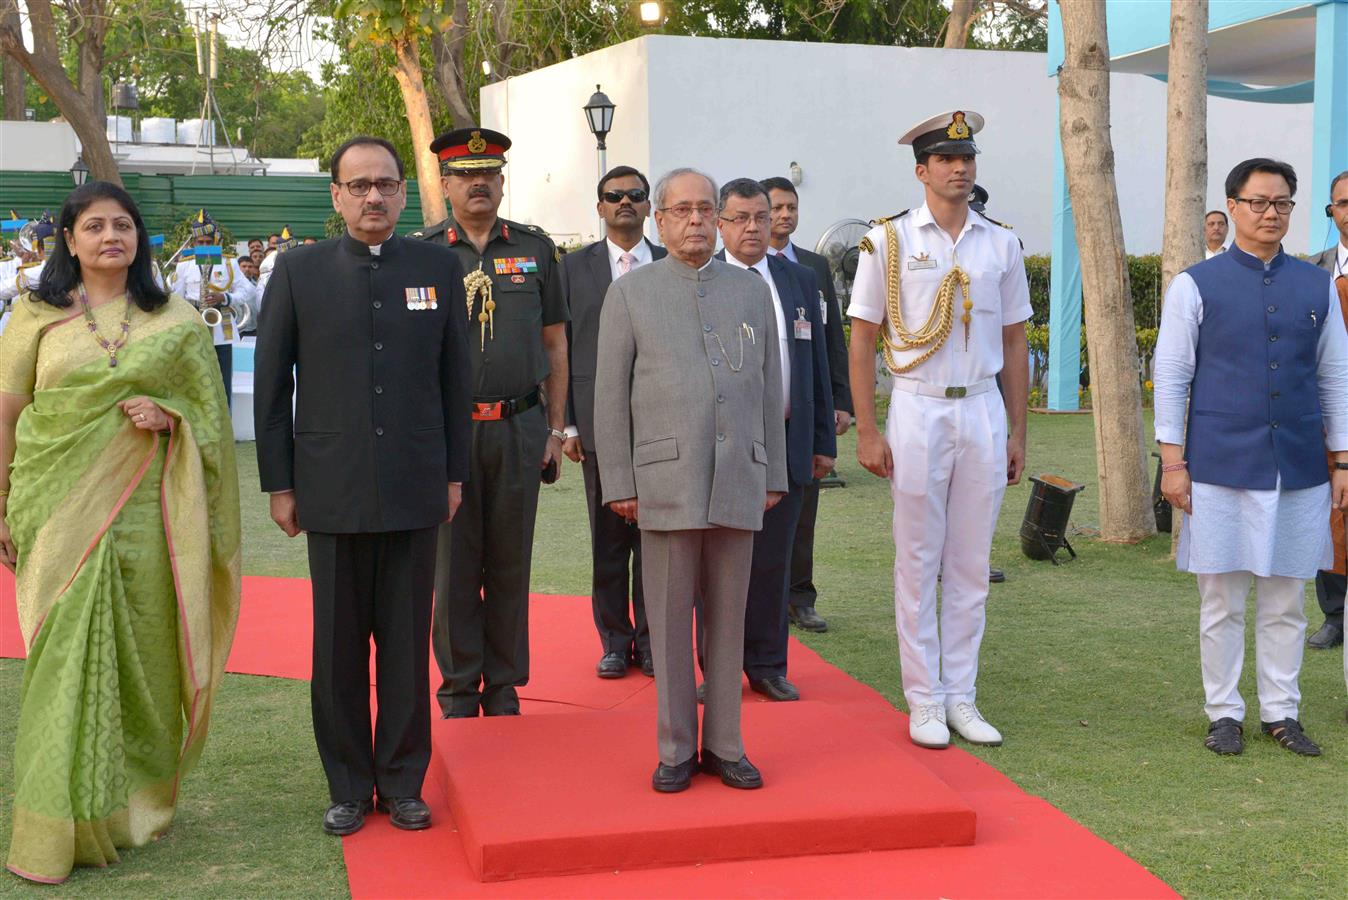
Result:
pixel 1088 155
pixel 447 50
pixel 14 82
pixel 1186 151
pixel 89 74
pixel 407 70
pixel 958 22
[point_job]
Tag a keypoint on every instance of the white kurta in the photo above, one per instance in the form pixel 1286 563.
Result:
pixel 1264 532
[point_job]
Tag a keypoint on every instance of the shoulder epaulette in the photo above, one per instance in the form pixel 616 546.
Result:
pixel 993 221
pixel 538 232
pixel 883 219
pixel 867 245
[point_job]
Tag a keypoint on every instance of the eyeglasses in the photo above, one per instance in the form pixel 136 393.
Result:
pixel 360 186
pixel 1259 205
pixel 684 210
pixel 1340 204
pixel 636 195
pixel 739 220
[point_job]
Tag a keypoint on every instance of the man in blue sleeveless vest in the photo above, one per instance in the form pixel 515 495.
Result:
pixel 1253 341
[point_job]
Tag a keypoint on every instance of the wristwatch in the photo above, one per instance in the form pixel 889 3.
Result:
pixel 561 436
pixel 1341 465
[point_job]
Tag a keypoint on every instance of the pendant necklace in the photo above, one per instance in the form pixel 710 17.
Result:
pixel 110 346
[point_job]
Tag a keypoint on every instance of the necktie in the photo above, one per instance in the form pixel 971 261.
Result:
pixel 756 272
pixel 625 263
pixel 1341 283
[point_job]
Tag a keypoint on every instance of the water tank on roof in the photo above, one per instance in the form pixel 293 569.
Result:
pixel 158 130
pixel 119 129
pixel 124 96
pixel 196 131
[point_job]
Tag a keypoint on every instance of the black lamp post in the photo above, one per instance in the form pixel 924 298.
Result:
pixel 599 116
pixel 79 173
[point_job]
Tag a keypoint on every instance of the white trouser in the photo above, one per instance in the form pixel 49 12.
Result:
pixel 1279 632
pixel 948 482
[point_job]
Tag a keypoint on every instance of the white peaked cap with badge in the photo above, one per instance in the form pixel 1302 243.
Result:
pixel 948 133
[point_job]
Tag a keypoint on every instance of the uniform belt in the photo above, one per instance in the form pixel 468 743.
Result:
pixel 493 410
pixel 954 392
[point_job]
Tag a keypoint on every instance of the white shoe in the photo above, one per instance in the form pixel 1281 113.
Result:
pixel 969 723
pixel 926 727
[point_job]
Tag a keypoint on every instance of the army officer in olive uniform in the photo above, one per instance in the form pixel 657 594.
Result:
pixel 517 342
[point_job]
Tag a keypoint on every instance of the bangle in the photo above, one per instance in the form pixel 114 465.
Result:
pixel 559 435
pixel 1175 467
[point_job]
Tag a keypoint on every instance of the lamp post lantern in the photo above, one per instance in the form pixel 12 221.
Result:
pixel 79 172
pixel 599 116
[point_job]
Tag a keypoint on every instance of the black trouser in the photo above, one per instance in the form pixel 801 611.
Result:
pixel 372 585
pixel 225 354
pixel 481 630
pixel 1329 591
pixel 766 630
pixel 803 593
pixel 615 545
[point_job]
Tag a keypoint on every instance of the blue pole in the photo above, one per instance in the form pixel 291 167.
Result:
pixel 1329 142
pixel 1064 316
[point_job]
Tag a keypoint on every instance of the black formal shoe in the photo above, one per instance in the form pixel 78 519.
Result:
pixel 1329 635
pixel 407 813
pixel 739 774
pixel 612 665
pixel 775 688
pixel 459 713
pixel 806 619
pixel 648 665
pixel 1289 735
pixel 346 817
pixel 996 576
pixel 672 779
pixel 507 711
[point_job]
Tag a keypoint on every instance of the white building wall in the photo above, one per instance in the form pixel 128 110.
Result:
pixel 37 146
pixel 750 108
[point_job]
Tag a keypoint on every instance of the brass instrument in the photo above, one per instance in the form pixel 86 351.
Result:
pixel 228 315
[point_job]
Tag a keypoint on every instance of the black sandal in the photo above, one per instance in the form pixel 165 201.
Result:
pixel 1289 735
pixel 1225 737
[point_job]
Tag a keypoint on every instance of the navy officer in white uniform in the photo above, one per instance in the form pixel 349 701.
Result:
pixel 948 287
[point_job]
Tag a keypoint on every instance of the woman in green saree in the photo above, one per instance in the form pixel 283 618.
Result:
pixel 119 513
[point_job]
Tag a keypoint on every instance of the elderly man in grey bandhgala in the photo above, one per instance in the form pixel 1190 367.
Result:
pixel 692 447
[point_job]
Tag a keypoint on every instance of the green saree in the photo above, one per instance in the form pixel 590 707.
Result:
pixel 127 579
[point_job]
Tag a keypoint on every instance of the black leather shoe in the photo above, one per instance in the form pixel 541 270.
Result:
pixel 648 665
pixel 775 688
pixel 995 576
pixel 407 813
pixel 612 665
pixel 672 779
pixel 346 817
pixel 1329 635
pixel 739 774
pixel 806 619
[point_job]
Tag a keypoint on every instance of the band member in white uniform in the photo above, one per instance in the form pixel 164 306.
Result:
pixel 226 287
pixel 948 286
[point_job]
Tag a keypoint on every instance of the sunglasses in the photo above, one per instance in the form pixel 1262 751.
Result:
pixel 636 195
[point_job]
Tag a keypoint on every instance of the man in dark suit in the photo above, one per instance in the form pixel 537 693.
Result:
pixel 624 204
pixel 370 465
pixel 785 210
pixel 811 444
pixel 1330 586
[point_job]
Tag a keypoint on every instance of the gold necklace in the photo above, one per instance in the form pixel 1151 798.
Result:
pixel 110 346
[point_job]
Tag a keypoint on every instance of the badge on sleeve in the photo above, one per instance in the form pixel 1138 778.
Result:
pixel 421 298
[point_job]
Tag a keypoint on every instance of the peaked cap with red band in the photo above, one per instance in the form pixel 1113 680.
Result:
pixel 471 149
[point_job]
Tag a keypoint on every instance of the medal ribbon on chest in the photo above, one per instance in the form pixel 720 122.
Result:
pixel 479 282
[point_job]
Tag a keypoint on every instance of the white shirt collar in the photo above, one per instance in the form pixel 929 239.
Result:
pixel 1342 259
pixel 922 216
pixel 789 251
pixel 761 266
pixel 642 252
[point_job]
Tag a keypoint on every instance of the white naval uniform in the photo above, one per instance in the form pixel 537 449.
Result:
pixel 949 453
pixel 1276 539
pixel 264 270
pixel 16 277
pixel 187 284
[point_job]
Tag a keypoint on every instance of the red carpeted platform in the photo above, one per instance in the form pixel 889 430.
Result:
pixel 539 791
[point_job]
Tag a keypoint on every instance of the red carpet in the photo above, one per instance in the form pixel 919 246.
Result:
pixel 567 791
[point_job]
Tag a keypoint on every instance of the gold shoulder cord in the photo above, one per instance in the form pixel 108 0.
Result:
pixel 940 320
pixel 479 282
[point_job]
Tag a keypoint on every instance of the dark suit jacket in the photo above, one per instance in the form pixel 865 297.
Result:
pixel 585 280
pixel 833 327
pixel 812 428
pixel 382 419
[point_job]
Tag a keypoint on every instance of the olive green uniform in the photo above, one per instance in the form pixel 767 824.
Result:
pixel 481 627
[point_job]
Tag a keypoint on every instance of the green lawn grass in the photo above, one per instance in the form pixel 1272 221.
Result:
pixel 1090 669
